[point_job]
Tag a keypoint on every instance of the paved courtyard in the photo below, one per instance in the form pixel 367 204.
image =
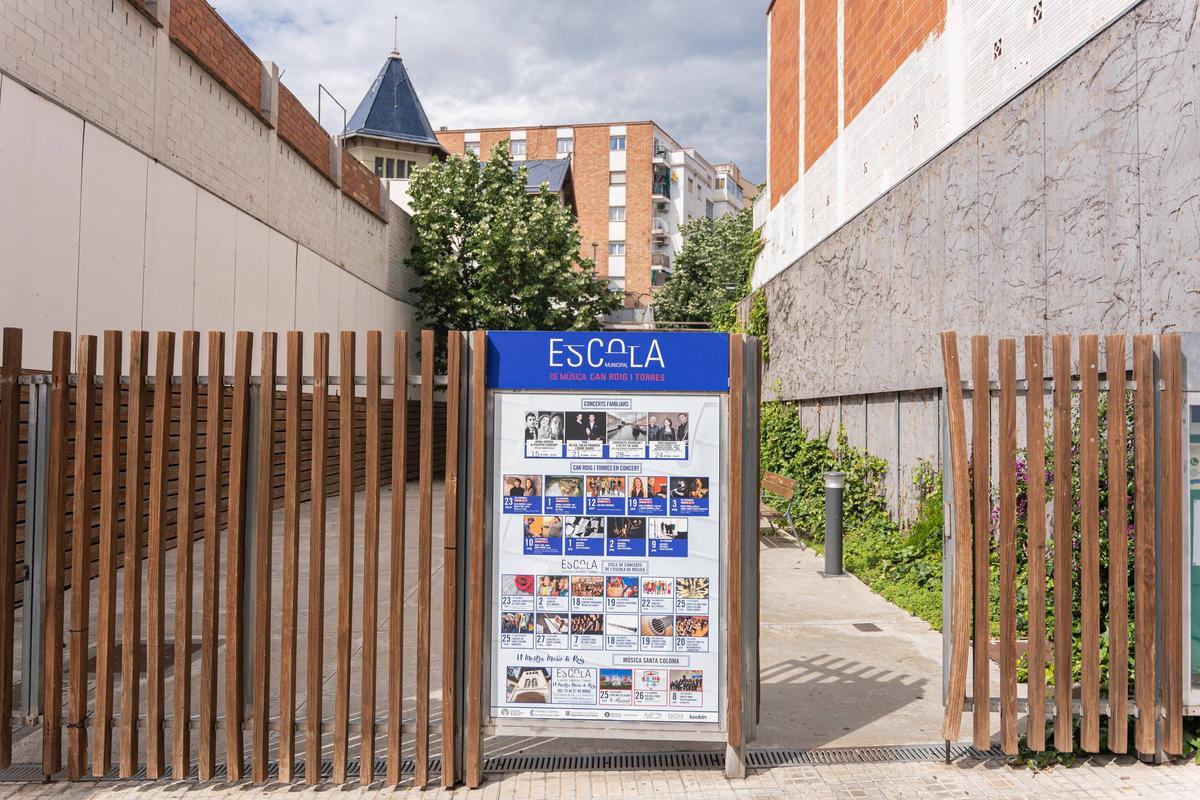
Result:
pixel 841 668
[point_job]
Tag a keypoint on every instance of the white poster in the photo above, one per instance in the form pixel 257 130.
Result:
pixel 606 557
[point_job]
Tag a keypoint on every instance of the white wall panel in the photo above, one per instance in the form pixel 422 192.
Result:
pixel 41 157
pixel 216 269
pixel 308 294
pixel 281 284
pixel 112 234
pixel 251 278
pixel 170 254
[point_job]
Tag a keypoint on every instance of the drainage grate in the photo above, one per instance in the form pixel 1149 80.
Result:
pixel 598 762
pixel 867 627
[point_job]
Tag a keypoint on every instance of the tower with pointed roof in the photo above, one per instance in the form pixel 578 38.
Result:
pixel 389 131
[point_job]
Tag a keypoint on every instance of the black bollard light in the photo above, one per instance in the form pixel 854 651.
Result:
pixel 835 483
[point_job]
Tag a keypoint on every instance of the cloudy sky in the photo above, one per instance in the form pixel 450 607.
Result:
pixel 696 67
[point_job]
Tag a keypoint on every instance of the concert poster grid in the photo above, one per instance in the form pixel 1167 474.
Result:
pixel 606 576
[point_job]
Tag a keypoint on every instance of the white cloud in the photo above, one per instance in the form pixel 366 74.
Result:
pixel 697 67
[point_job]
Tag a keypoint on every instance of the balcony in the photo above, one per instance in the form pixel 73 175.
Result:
pixel 660 262
pixel 659 228
pixel 661 155
pixel 660 187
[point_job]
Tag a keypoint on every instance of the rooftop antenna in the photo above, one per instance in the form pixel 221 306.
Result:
pixel 396 34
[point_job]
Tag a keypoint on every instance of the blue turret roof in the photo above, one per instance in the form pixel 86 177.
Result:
pixel 392 110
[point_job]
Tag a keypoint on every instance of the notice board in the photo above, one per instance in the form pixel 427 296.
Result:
pixel 608 460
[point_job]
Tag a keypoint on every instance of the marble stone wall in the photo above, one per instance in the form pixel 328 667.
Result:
pixel 1075 208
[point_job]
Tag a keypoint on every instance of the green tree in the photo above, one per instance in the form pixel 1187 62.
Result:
pixel 712 271
pixel 492 256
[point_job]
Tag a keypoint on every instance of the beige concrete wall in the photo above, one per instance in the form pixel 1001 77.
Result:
pixel 97 235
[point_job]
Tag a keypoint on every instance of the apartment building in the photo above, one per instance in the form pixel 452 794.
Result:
pixel 634 185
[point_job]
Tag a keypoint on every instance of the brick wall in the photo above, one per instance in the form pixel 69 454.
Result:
pixel 213 138
pixel 785 97
pixel 304 202
pixel 879 36
pixel 302 131
pixel 541 143
pixel 820 78
pixel 590 165
pixel 93 56
pixel 199 29
pixel 452 141
pixel 639 177
pixel 360 183
pixel 488 141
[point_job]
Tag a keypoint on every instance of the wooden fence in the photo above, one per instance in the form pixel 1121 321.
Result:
pixel 1126 547
pixel 128 444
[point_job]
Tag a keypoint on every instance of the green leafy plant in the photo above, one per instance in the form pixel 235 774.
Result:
pixel 711 272
pixel 491 255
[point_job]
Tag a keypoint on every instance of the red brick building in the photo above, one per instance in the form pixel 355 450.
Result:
pixel 635 186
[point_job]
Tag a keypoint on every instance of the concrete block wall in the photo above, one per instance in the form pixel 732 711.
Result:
pixel 140 187
pixel 1071 209
pixel 883 88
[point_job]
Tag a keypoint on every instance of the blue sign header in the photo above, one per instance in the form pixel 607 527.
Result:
pixel 640 361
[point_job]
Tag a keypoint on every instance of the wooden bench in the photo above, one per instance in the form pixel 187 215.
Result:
pixel 784 487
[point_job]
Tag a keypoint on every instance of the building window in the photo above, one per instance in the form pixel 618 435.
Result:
pixel 616 179
pixel 708 209
pixel 616 213
pixel 616 143
pixel 566 145
pixel 691 186
pixel 379 167
pixel 721 182
pixel 616 284
pixel 391 168
pixel 471 147
pixel 516 147
pixel 616 248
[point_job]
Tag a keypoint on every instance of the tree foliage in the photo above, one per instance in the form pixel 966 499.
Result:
pixel 712 271
pixel 492 256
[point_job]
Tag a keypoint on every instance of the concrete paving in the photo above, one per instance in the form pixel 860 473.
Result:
pixel 840 665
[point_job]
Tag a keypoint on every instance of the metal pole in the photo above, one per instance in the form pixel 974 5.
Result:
pixel 34 594
pixel 835 483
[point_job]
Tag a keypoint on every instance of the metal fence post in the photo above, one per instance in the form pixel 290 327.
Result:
pixel 34 578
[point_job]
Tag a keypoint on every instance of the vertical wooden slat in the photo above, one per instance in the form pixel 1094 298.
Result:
pixel 370 601
pixel 238 469
pixel 960 629
pixel 214 451
pixel 1118 548
pixel 56 552
pixel 736 735
pixel 1063 548
pixel 341 698
pixel 291 554
pixel 81 555
pixel 396 566
pixel 110 464
pixel 316 558
pixel 1144 550
pixel 981 463
pixel 1007 478
pixel 10 370
pixel 1035 453
pixel 181 690
pixel 263 535
pixel 1089 546
pixel 476 619
pixel 424 561
pixel 156 590
pixel 135 536
pixel 1171 663
pixel 450 563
